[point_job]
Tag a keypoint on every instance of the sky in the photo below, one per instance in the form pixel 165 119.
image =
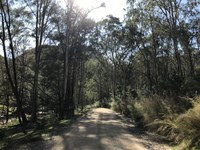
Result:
pixel 113 7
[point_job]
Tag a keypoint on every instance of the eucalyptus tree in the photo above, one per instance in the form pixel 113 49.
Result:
pixel 64 25
pixel 189 31
pixel 12 33
pixel 170 11
pixel 72 27
pixel 149 35
pixel 165 36
pixel 41 12
pixel 109 41
pixel 4 91
pixel 180 17
pixel 50 79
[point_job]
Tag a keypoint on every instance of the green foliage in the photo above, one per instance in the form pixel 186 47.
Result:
pixel 135 114
pixel 97 104
pixel 102 103
pixel 91 92
pixel 96 65
pixel 97 84
pixel 43 130
pixel 115 106
pixel 128 107
pixel 191 87
pixel 197 74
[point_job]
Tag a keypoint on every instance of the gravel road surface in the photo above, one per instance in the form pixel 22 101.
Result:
pixel 101 129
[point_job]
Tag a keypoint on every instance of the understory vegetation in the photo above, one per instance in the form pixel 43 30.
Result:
pixel 57 61
pixel 176 118
pixel 43 130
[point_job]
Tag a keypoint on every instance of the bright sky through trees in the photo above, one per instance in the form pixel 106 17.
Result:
pixel 113 7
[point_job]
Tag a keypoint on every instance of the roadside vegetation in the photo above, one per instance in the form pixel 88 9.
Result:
pixel 45 128
pixel 164 117
pixel 17 135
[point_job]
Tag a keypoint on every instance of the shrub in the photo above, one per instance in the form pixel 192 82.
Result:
pixel 190 87
pixel 105 103
pixel 115 106
pixel 168 128
pixel 159 115
pixel 97 104
pixel 121 107
pixel 152 108
pixel 177 118
pixel 144 110
pixel 135 114
pixel 189 123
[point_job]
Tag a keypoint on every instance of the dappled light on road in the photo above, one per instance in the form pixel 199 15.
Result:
pixel 101 129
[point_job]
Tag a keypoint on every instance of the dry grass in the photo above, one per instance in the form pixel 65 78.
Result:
pixel 178 119
pixel 189 124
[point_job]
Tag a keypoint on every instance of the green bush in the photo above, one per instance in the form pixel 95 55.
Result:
pixel 121 107
pixel 190 87
pixel 97 104
pixel 197 73
pixel 115 106
pixel 135 114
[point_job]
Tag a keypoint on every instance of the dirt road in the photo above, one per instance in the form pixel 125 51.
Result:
pixel 103 129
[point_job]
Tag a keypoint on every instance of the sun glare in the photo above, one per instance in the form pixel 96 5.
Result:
pixel 85 4
pixel 113 7
pixel 98 8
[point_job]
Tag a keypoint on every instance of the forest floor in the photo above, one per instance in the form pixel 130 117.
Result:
pixel 101 129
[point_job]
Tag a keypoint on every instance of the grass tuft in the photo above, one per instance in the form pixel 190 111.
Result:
pixel 189 123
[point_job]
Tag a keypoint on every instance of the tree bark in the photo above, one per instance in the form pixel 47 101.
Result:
pixel 6 29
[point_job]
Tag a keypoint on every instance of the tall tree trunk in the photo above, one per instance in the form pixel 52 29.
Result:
pixel 42 16
pixel 34 98
pixel 6 29
pixel 185 42
pixel 7 108
pixel 177 56
pixel 65 83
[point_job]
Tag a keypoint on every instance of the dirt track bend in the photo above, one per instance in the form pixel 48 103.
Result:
pixel 102 129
